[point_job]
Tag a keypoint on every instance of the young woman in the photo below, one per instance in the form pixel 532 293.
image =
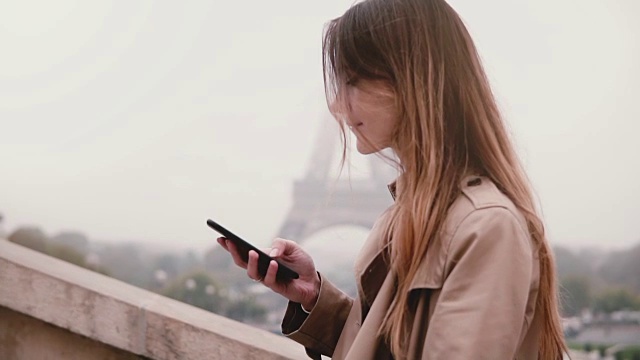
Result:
pixel 458 267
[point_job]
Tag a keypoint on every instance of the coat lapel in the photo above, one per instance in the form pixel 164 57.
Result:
pixel 367 343
pixel 373 276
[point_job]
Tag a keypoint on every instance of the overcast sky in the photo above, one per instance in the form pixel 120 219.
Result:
pixel 137 120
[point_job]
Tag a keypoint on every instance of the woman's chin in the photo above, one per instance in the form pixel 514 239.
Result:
pixel 366 149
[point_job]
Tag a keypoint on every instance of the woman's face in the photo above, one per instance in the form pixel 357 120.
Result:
pixel 370 114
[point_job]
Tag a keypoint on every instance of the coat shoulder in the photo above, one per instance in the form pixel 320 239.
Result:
pixel 480 197
pixel 478 193
pixel 484 213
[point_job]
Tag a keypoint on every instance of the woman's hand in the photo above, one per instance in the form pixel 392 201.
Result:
pixel 303 290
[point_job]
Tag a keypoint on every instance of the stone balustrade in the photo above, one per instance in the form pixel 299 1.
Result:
pixel 50 309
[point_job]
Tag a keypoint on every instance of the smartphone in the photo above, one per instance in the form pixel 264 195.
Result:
pixel 284 273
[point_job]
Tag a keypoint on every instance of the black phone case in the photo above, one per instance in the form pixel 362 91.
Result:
pixel 284 273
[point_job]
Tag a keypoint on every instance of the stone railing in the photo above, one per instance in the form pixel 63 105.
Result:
pixel 50 309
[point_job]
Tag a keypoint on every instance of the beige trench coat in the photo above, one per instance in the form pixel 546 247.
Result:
pixel 474 297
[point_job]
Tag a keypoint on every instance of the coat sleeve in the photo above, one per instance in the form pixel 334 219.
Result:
pixel 319 330
pixel 480 311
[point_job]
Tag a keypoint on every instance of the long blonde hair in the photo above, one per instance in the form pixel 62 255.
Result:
pixel 450 126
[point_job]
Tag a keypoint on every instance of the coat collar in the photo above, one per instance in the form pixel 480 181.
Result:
pixel 467 181
pixel 376 265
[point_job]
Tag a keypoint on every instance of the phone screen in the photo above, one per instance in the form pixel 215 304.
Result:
pixel 284 272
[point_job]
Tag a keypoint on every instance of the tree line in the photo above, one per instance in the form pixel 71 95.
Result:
pixel 203 282
pixel 602 282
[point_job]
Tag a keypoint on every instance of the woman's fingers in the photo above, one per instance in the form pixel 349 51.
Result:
pixel 287 251
pixel 270 277
pixel 223 242
pixel 231 247
pixel 252 266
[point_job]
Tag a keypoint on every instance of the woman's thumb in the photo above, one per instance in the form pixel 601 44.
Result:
pixel 279 247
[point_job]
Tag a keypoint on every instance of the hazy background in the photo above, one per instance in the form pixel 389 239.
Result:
pixel 137 120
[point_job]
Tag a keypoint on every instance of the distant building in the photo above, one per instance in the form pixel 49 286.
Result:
pixel 610 333
pixel 620 328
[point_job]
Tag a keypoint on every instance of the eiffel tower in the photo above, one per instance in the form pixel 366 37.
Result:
pixel 321 201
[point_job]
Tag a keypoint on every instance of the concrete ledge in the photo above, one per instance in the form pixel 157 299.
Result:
pixel 126 317
pixel 25 337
